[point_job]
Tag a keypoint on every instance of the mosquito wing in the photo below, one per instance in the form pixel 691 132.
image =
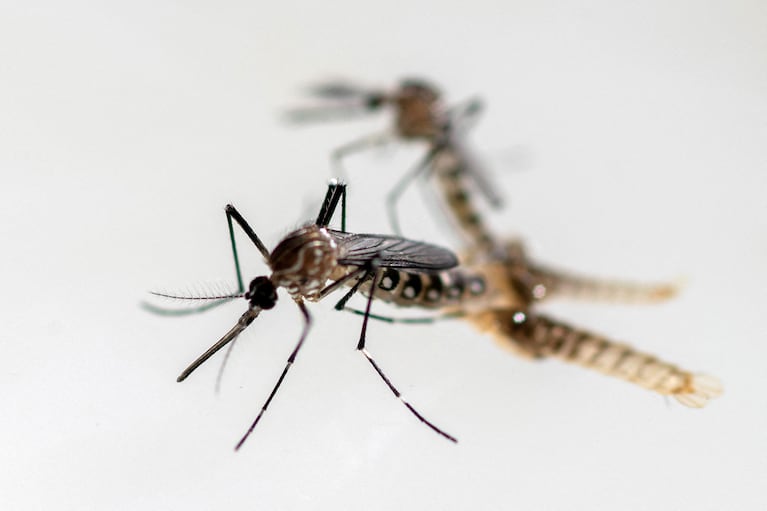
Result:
pixel 392 252
pixel 338 89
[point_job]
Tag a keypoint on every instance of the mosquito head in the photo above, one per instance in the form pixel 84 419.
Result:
pixel 262 293
pixel 303 261
pixel 418 110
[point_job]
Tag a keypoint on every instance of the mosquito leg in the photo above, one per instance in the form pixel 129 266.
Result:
pixel 393 197
pixel 336 191
pixel 163 311
pixel 341 304
pixel 232 213
pixel 464 115
pixel 361 347
pixel 343 280
pixel 410 321
pixel 343 209
pixel 291 359
pixel 222 367
pixel 355 146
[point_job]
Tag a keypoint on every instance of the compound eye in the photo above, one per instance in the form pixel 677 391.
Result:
pixel 262 293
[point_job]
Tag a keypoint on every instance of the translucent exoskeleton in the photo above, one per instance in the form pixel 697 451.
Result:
pixel 312 262
pixel 420 114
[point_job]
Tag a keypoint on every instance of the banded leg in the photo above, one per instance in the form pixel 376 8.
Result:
pixel 546 337
pixel 364 351
pixel 336 191
pixel 291 359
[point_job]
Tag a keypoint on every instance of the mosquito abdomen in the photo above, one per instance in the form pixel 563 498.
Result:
pixel 541 336
pixel 450 175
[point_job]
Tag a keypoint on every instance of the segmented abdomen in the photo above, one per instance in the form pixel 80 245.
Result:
pixel 458 289
pixel 544 337
pixel 450 170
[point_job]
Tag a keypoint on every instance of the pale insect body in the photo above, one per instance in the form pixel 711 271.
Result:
pixel 532 335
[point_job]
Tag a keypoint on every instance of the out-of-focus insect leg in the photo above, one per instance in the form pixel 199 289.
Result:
pixel 291 359
pixel 462 116
pixel 410 321
pixel 547 337
pixel 355 146
pixel 361 348
pixel 392 198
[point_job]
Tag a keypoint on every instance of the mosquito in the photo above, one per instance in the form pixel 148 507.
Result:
pixel 306 260
pixel 496 306
pixel 420 114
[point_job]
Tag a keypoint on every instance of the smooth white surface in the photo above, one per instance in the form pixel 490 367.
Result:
pixel 125 129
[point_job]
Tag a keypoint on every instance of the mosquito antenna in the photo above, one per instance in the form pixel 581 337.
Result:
pixel 291 359
pixel 165 311
pixel 242 323
pixel 190 297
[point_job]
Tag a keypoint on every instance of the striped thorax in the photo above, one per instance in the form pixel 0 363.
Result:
pixel 303 262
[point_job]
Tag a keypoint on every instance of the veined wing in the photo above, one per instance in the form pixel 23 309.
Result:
pixel 391 252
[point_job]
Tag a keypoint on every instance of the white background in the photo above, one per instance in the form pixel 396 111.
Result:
pixel 628 140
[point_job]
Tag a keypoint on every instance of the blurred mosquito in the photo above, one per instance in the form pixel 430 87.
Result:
pixel 502 304
pixel 420 115
pixel 305 260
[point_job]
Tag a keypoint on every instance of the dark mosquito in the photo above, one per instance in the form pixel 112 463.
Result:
pixel 420 114
pixel 305 261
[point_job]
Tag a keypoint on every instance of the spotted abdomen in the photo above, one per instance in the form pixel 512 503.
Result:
pixel 450 290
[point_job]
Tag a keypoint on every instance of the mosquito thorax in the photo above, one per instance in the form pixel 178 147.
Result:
pixel 262 293
pixel 303 261
pixel 418 109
